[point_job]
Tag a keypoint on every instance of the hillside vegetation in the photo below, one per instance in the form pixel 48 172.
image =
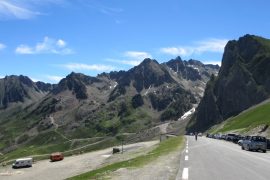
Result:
pixel 252 118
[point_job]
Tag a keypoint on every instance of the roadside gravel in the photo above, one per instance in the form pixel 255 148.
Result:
pixel 164 168
pixel 75 165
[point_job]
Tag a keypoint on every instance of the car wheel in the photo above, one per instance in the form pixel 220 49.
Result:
pixel 264 151
pixel 242 147
pixel 248 149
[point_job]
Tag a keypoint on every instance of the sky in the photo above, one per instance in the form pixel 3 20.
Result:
pixel 48 39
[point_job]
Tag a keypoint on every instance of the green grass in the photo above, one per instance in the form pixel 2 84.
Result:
pixel 264 41
pixel 163 148
pixel 50 142
pixel 45 143
pixel 247 120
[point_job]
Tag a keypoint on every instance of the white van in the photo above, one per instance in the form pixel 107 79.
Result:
pixel 25 162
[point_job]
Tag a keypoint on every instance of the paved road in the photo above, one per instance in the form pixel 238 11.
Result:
pixel 210 159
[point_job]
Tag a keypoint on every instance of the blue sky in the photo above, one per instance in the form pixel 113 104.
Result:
pixel 47 39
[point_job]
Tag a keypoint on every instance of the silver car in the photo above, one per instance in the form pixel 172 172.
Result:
pixel 255 143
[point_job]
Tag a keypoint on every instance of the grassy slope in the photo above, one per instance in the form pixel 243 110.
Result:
pixel 50 142
pixel 247 120
pixel 163 148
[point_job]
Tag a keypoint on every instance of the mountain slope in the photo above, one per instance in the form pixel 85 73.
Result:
pixel 18 89
pixel 110 104
pixel 255 120
pixel 243 81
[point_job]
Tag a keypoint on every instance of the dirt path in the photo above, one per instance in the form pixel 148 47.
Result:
pixel 163 128
pixel 71 166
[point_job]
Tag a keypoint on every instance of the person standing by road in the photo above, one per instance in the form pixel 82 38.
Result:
pixel 196 136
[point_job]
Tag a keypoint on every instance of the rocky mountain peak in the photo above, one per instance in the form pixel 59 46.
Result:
pixel 16 89
pixel 243 81
pixel 149 72
pixel 75 82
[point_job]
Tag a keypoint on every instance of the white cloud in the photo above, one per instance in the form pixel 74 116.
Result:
pixel 13 9
pixel 1 77
pixel 55 79
pixel 127 62
pixel 48 46
pixel 61 43
pixel 23 9
pixel 210 45
pixel 34 79
pixel 92 67
pixel 132 58
pixel 213 62
pixel 137 55
pixel 24 49
pixel 2 46
pixel 176 51
pixel 109 10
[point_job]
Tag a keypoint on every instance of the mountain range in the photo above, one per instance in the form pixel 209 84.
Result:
pixel 81 106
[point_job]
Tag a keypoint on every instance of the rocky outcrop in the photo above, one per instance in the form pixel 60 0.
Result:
pixel 45 87
pixel 242 82
pixel 75 82
pixel 15 89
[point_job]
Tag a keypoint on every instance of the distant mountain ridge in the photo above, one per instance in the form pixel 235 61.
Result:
pixel 15 89
pixel 243 81
pixel 117 102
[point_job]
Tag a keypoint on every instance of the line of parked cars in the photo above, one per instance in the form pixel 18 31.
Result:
pixel 249 143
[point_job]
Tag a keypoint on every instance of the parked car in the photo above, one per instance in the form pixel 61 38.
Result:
pixel 237 138
pixel 25 162
pixel 240 141
pixel 255 143
pixel 230 137
pixel 223 136
pixel 268 143
pixel 57 156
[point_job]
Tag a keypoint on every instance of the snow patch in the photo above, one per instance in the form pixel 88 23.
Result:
pixel 115 84
pixel 147 90
pixel 188 113
pixel 192 66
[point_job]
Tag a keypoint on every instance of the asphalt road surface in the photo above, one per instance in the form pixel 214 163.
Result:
pixel 211 159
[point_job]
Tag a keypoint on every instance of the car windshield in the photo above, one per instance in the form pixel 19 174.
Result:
pixel 259 139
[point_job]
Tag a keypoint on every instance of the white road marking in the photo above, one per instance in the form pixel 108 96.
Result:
pixel 185 174
pixel 186 150
pixel 186 158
